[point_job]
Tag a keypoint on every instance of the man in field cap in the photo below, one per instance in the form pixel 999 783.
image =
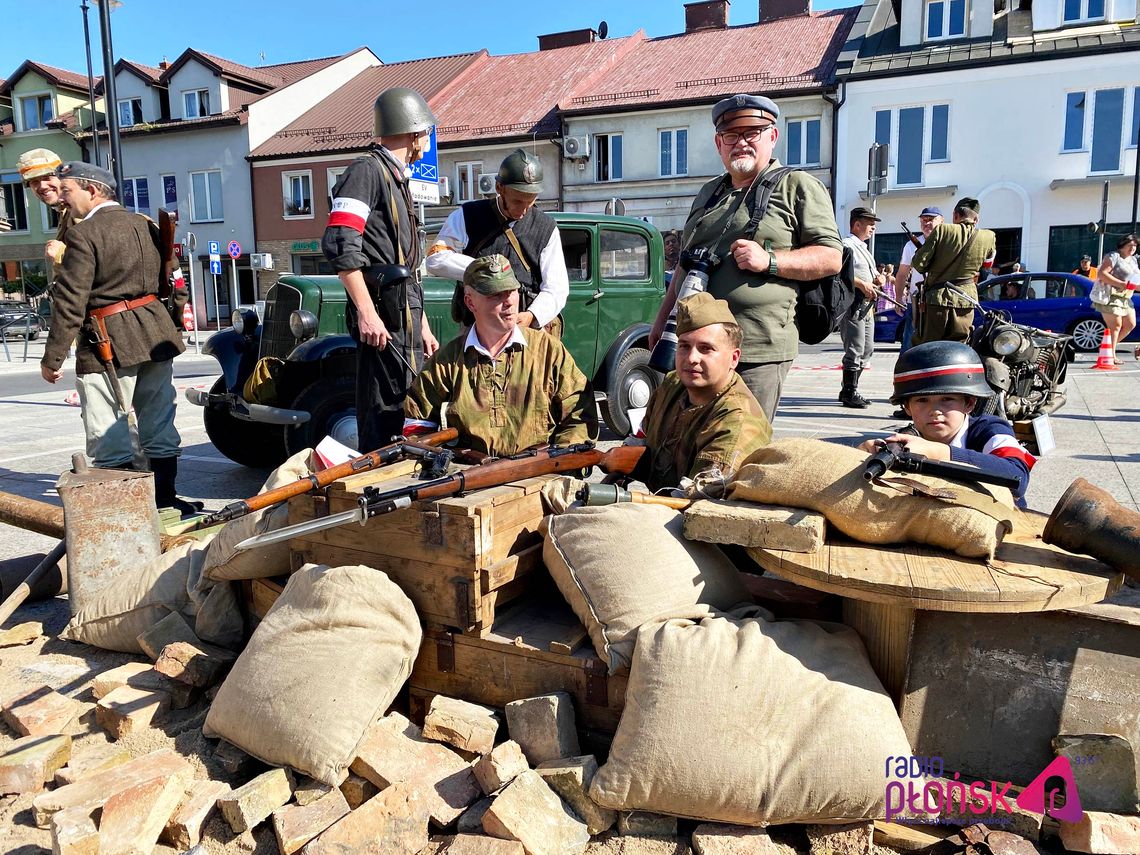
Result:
pixel 37 168
pixel 505 387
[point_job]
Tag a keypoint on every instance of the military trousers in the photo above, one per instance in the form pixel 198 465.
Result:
pixel 149 391
pixel 858 334
pixel 765 380
pixel 942 323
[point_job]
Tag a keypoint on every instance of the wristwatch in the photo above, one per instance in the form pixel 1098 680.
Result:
pixel 772 267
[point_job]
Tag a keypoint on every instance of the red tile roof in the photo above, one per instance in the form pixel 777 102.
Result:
pixel 60 77
pixel 265 76
pixel 342 122
pixel 519 94
pixel 785 55
pixel 146 72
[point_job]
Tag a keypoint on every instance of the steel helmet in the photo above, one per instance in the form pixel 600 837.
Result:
pixel 940 367
pixel 36 163
pixel 521 171
pixel 401 110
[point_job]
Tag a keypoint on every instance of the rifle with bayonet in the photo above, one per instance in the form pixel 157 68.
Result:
pixel 435 462
pixel 529 464
pixel 895 457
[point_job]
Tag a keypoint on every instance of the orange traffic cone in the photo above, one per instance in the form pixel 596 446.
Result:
pixel 1105 358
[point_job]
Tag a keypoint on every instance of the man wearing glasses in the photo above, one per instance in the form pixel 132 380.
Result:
pixel 756 265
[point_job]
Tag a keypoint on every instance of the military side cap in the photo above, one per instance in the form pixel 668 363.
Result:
pixel 36 163
pixel 744 106
pixel 969 204
pixel 490 275
pixel 702 310
pixel 87 172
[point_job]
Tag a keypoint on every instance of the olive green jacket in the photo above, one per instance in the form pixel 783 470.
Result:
pixel 935 259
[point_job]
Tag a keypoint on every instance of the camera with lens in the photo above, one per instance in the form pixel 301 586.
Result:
pixel 701 259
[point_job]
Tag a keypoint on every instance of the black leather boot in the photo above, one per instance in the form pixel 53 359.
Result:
pixel 165 471
pixel 849 394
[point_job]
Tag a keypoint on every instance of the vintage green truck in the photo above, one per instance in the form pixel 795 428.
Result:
pixel 616 269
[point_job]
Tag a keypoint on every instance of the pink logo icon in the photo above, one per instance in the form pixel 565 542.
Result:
pixel 1053 792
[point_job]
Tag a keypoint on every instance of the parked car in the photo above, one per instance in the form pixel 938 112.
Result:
pixel 20 319
pixel 1058 302
pixel 616 269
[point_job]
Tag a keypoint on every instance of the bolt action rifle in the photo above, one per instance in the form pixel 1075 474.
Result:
pixel 920 296
pixel 528 464
pixel 894 456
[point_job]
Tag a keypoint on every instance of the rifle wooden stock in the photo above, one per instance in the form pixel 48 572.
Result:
pixel 910 235
pixel 166 224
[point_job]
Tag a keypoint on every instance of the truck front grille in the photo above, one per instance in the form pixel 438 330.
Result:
pixel 281 301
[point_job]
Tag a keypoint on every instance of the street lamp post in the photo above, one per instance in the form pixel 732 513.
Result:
pixel 110 100
pixel 91 84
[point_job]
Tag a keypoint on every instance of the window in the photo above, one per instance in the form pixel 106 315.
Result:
pixel 1108 122
pixel 206 196
pixel 332 175
pixel 196 103
pixel 674 151
pixel 1077 11
pixel 883 127
pixel 297 190
pixel 803 142
pixel 37 111
pixel 1074 122
pixel 939 132
pixel 136 195
pixel 130 112
pixel 15 202
pixel 946 19
pixel 607 157
pixel 624 255
pixel 50 217
pixel 1134 137
pixel 908 159
pixel 576 251
pixel 913 147
pixel 169 191
pixel 467 180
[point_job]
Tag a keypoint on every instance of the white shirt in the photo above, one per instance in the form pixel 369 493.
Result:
pixel 907 257
pixel 450 263
pixel 100 206
pixel 473 341
pixel 865 267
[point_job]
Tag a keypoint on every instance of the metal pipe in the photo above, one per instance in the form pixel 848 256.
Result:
pixel 110 99
pixel 91 85
pixel 32 515
pixel 24 589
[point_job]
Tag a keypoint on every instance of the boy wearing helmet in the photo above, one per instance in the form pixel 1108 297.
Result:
pixel 937 384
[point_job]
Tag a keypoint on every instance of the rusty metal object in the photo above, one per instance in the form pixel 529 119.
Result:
pixel 13 572
pixel 1089 521
pixel 32 515
pixel 24 589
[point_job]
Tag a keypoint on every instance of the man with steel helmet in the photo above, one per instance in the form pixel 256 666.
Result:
pixel 37 168
pixel 937 384
pixel 372 241
pixel 509 225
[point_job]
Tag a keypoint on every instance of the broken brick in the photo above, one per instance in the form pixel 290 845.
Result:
pixel 851 839
pixel 24 633
pixel 184 828
pixel 170 629
pixel 467 726
pixel 133 818
pixel 357 790
pixel 747 524
pixel 73 832
pixel 196 665
pixel 253 802
pixel 232 759
pixel 296 825
pixel 477 844
pixel 39 711
pixel 140 675
pixel 643 823
pixel 714 839
pixel 394 822
pixel 1102 833
pixel 502 765
pixel 543 726
pixel 30 762
pixel 571 778
pixel 127 710
pixel 528 811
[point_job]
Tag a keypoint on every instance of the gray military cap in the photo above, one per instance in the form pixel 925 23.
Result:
pixel 87 172
pixel 744 106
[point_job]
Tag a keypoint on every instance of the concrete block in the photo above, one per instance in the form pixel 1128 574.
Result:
pixel 501 766
pixel 478 844
pixel 140 675
pixel 307 790
pixel 532 813
pixel 127 710
pixel 40 711
pixel 471 820
pixel 357 790
pixel 24 633
pixel 642 823
pixel 30 762
pixel 712 839
pixel 543 726
pixel 133 818
pixel 1103 834
pixel 570 778
pixel 393 822
pixel 232 759
pixel 1104 769
pixel 73 832
pixel 296 825
pixel 467 726
pixel 748 524
pixel 196 665
pixel 855 838
pixel 170 629
pixel 253 802
pixel 184 828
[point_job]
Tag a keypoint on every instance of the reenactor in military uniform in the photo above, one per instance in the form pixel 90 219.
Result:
pixel 37 169
pixel 509 225
pixel 953 254
pixel 702 416
pixel 504 386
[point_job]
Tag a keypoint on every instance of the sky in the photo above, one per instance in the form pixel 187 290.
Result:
pixel 258 32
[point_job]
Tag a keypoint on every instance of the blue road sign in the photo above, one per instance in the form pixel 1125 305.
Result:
pixel 215 247
pixel 234 249
pixel 424 182
pixel 216 267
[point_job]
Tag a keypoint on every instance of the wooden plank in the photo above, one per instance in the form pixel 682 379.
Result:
pixel 570 642
pixel 261 594
pixel 886 631
pixel 495 600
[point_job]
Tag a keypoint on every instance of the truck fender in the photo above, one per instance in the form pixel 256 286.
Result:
pixel 236 355
pixel 317 349
pixel 636 335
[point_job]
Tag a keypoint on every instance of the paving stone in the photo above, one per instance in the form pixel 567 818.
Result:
pixel 31 761
pixel 133 818
pixel 570 778
pixel 467 726
pixel 478 844
pixel 532 813
pixel 253 802
pixel 170 629
pixel 24 633
pixel 184 828
pixel 141 675
pixel 127 710
pixel 501 766
pixel 357 790
pixel 393 822
pixel 852 839
pixel 713 839
pixel 296 825
pixel 544 727
pixel 1104 770
pixel 1103 834
pixel 646 824
pixel 40 711
pixel 197 665
pixel 747 524
pixel 73 832
pixel 471 820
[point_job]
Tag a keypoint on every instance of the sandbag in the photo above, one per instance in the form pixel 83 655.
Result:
pixel 325 662
pixel 828 478
pixel 742 719
pixel 225 563
pixel 559 494
pixel 620 566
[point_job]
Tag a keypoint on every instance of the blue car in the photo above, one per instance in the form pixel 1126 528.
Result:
pixel 1058 302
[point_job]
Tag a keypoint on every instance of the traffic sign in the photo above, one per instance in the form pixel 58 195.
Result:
pixel 216 266
pixel 234 249
pixel 424 182
pixel 215 248
pixel 179 249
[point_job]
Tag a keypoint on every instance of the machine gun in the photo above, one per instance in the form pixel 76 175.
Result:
pixel 894 456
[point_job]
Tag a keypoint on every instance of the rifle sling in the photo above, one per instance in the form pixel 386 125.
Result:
pixel 979 500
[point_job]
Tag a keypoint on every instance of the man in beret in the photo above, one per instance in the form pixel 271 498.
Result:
pixel 37 168
pixel 858 328
pixel 953 255
pixel 504 386
pixel 110 275
pixel 759 267
pixel 702 417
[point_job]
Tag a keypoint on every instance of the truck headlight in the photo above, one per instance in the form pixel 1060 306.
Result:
pixel 244 321
pixel 303 324
pixel 1007 342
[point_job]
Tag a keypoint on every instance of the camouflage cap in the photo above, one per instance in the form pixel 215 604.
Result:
pixel 490 275
pixel 36 163
pixel 702 310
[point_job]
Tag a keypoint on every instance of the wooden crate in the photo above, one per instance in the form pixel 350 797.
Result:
pixel 458 559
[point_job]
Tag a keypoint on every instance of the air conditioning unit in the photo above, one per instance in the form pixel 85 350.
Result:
pixel 261 260
pixel 487 183
pixel 444 187
pixel 576 148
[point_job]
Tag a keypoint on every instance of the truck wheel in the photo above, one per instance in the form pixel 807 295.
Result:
pixel 251 444
pixel 630 386
pixel 332 412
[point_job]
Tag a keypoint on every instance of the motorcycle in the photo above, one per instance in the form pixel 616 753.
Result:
pixel 1025 366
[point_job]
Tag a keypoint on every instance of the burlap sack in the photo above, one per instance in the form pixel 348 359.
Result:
pixel 621 566
pixel 226 563
pixel 325 662
pixel 828 478
pixel 559 494
pixel 745 720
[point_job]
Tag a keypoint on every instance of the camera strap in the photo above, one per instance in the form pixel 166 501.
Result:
pixel 710 203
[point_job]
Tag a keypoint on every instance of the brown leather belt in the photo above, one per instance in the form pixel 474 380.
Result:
pixel 121 306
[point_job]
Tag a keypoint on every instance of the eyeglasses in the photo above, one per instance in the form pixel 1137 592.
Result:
pixel 750 135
